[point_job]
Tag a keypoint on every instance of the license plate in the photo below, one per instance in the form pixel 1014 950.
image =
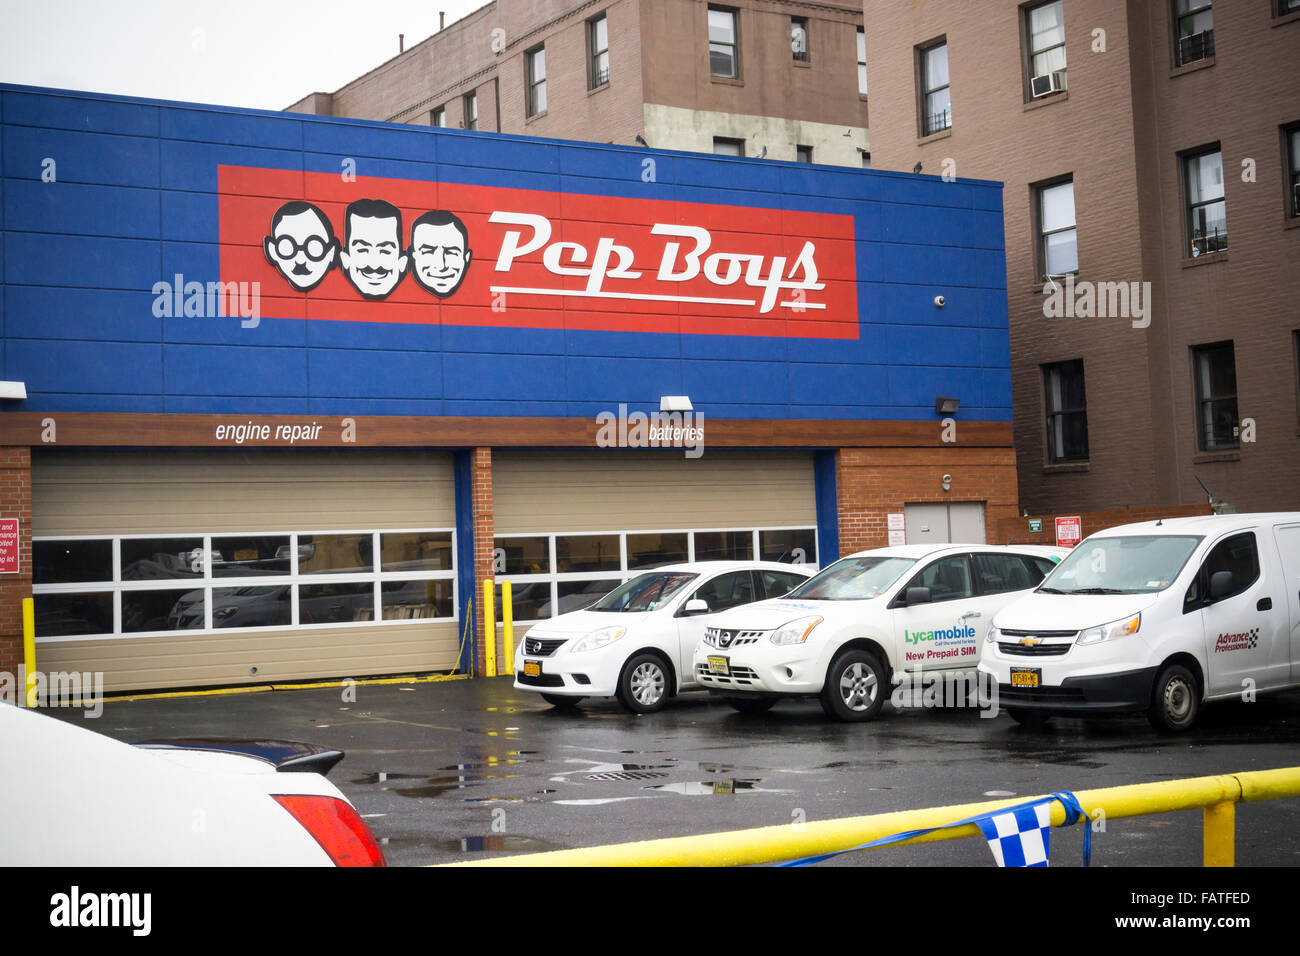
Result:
pixel 532 668
pixel 1026 676
pixel 719 665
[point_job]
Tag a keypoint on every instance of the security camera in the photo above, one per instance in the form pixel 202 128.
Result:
pixel 947 482
pixel 939 301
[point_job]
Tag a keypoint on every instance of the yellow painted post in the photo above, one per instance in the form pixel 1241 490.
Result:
pixel 489 630
pixel 29 651
pixel 1220 843
pixel 508 621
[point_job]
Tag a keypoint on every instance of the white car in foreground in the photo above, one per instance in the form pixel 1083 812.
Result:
pixel 72 797
pixel 842 635
pixel 636 642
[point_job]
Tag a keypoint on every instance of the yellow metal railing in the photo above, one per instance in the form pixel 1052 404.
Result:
pixel 1217 796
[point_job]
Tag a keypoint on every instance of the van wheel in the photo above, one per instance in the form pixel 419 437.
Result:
pixel 1175 701
pixel 855 686
pixel 562 702
pixel 643 686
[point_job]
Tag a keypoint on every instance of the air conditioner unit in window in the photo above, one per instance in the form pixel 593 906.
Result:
pixel 1047 84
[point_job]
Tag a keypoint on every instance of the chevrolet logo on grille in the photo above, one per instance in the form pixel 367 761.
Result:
pixel 1030 641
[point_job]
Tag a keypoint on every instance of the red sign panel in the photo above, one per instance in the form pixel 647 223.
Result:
pixel 366 249
pixel 1069 531
pixel 8 545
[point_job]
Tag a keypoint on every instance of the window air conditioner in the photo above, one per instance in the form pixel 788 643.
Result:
pixel 1047 84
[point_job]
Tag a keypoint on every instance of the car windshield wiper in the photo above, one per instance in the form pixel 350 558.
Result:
pixel 1098 591
pixel 1052 591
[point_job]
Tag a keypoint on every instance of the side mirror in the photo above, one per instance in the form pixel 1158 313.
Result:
pixel 695 606
pixel 1220 585
pixel 917 596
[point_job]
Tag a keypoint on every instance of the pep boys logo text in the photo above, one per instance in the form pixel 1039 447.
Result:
pixel 329 249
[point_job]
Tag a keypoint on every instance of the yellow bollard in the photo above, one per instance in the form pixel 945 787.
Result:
pixel 1219 840
pixel 489 630
pixel 508 621
pixel 29 651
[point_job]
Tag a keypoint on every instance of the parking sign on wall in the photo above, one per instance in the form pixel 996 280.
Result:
pixel 1069 531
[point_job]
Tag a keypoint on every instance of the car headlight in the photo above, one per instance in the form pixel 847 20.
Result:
pixel 223 613
pixel 796 632
pixel 596 639
pixel 1108 632
pixel 992 635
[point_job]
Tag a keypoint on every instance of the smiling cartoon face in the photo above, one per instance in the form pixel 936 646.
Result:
pixel 440 252
pixel 372 256
pixel 301 245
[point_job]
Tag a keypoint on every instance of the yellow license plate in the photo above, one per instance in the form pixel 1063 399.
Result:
pixel 719 665
pixel 532 668
pixel 1025 677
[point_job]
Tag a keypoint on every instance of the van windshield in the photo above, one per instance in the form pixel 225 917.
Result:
pixel 645 592
pixel 1133 564
pixel 853 579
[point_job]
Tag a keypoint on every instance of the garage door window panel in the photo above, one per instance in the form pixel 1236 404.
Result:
pixel 72 562
pixel 415 551
pixel 255 605
pixel 578 553
pixel 790 545
pixel 336 553
pixel 657 549
pixel 246 556
pixel 724 546
pixel 152 559
pixel 74 614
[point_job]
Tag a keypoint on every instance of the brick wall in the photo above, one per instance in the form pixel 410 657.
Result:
pixel 15 502
pixel 872 482
pixel 1015 529
pixel 481 497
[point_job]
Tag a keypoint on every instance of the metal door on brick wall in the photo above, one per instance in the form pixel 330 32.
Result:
pixel 959 522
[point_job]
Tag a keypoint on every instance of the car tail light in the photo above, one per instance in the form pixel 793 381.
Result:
pixel 337 827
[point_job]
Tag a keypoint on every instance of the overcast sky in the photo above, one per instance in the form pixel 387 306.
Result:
pixel 264 54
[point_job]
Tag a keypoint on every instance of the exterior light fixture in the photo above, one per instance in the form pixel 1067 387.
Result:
pixel 14 390
pixel 675 403
pixel 946 406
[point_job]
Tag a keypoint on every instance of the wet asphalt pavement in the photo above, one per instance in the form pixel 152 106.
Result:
pixel 462 769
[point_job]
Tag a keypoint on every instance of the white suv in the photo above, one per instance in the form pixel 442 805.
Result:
pixel 842 635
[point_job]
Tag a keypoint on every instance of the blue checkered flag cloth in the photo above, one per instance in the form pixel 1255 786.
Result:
pixel 1021 837
pixel 1017 835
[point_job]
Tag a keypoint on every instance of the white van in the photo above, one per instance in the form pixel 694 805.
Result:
pixel 1160 617
pixel 845 633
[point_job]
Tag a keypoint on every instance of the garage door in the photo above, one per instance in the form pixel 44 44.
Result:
pixel 168 569
pixel 572 525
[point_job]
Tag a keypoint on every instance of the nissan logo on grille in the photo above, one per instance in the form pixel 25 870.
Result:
pixel 719 637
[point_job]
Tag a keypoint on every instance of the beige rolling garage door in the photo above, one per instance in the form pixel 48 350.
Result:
pixel 614 490
pixel 571 525
pixel 95 502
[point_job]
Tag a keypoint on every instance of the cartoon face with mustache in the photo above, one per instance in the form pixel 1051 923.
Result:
pixel 301 245
pixel 373 258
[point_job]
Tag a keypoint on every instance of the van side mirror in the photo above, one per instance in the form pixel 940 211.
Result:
pixel 917 596
pixel 1220 585
pixel 695 606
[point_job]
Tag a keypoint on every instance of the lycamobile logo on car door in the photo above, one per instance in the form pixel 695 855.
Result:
pixel 956 633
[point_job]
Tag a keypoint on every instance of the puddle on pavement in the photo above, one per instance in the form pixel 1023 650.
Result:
pixel 496 843
pixel 714 788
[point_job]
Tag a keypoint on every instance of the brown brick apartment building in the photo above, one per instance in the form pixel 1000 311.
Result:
pixel 746 75
pixel 1151 141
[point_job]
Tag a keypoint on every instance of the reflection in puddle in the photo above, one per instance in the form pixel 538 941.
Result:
pixel 713 788
pixel 494 843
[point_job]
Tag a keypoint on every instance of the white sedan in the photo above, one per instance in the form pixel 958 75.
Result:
pixel 72 797
pixel 636 642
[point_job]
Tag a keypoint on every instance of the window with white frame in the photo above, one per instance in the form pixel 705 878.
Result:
pixel 552 574
pixel 1193 31
pixel 936 101
pixel 1207 222
pixel 1058 243
pixel 724 43
pixel 1045 35
pixel 438 117
pixel 470 102
pixel 124 585
pixel 597 52
pixel 536 69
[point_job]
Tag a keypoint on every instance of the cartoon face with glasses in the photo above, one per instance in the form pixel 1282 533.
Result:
pixel 301 245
